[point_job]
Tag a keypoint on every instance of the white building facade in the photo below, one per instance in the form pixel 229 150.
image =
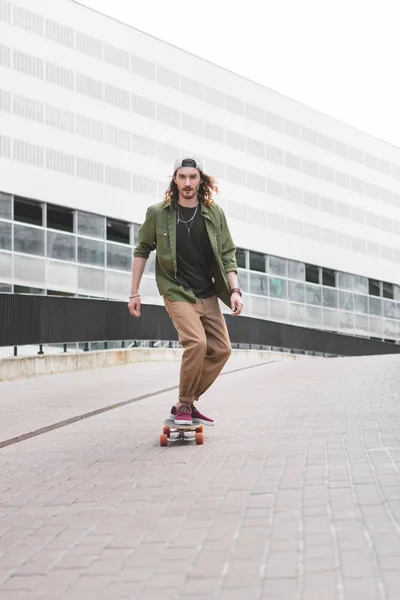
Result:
pixel 93 114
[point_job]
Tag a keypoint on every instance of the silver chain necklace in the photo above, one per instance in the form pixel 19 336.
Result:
pixel 191 220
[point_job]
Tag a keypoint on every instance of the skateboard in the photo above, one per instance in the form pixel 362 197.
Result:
pixel 182 433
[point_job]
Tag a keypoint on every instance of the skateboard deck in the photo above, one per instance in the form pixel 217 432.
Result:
pixel 181 433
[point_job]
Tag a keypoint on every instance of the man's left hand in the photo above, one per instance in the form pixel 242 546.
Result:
pixel 236 304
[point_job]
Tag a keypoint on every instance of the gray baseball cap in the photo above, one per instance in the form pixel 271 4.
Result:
pixel 188 161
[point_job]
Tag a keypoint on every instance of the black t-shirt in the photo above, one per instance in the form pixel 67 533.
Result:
pixel 195 257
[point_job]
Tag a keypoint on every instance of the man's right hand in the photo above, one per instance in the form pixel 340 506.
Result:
pixel 134 306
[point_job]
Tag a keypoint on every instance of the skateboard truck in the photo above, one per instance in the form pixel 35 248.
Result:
pixel 180 434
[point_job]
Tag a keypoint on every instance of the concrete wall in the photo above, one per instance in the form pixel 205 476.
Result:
pixel 33 366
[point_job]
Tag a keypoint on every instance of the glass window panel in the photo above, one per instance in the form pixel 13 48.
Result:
pixel 330 298
pixel 61 276
pixel 375 306
pixel 389 309
pixel 397 293
pixel 118 231
pixel 331 319
pixel 296 270
pixel 328 277
pixel 277 266
pixel 91 281
pixel 346 322
pixel 376 327
pixel 5 288
pixel 345 281
pixel 5 266
pixel 119 257
pixel 5 206
pixel 29 270
pixel 243 277
pixel 25 289
pixel 28 211
pixel 259 307
pixel 361 325
pixel 259 284
pixel 118 285
pixel 297 291
pixel 257 261
pixel 312 274
pixel 59 217
pixel 278 311
pixel 361 284
pixel 374 287
pixel 387 290
pixel 346 301
pixel 241 257
pixel 297 313
pixel 389 329
pixel 277 287
pixel 28 240
pixel 314 317
pixel 361 304
pixel 61 246
pixel 313 294
pixel 90 252
pixel 5 236
pixel 91 225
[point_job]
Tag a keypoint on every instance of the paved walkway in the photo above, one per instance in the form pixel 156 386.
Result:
pixel 295 494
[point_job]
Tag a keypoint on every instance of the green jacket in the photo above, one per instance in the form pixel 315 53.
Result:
pixel 158 232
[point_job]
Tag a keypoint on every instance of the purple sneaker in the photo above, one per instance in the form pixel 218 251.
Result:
pixel 197 417
pixel 183 415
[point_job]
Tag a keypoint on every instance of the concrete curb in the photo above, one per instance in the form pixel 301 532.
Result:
pixel 33 366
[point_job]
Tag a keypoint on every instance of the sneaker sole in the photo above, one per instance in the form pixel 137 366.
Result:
pixel 181 422
pixel 203 422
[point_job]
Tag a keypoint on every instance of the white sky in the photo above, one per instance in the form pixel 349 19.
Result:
pixel 338 56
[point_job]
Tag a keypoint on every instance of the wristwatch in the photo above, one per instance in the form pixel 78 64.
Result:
pixel 236 291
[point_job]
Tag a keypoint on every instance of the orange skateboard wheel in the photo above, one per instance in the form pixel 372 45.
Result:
pixel 163 439
pixel 167 430
pixel 199 439
pixel 199 429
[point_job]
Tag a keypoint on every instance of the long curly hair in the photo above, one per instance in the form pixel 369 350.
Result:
pixel 207 190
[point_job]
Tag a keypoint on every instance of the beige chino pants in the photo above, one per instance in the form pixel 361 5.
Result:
pixel 206 345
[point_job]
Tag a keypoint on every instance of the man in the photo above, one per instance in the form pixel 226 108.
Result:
pixel 195 264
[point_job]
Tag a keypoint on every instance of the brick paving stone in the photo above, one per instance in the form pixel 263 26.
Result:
pixel 295 494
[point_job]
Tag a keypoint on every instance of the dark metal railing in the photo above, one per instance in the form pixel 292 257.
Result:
pixel 39 320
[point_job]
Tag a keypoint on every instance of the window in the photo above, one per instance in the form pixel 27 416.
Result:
pixel 297 270
pixel 277 287
pixel 119 257
pixel 257 262
pixel 374 287
pixel 60 218
pixel 28 240
pixel 91 252
pixel 61 246
pixel 328 277
pixel 5 206
pixel 241 258
pixel 312 274
pixel 22 289
pixel 117 231
pixel 28 211
pixel 5 236
pixel 387 290
pixel 90 225
pixel 277 266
